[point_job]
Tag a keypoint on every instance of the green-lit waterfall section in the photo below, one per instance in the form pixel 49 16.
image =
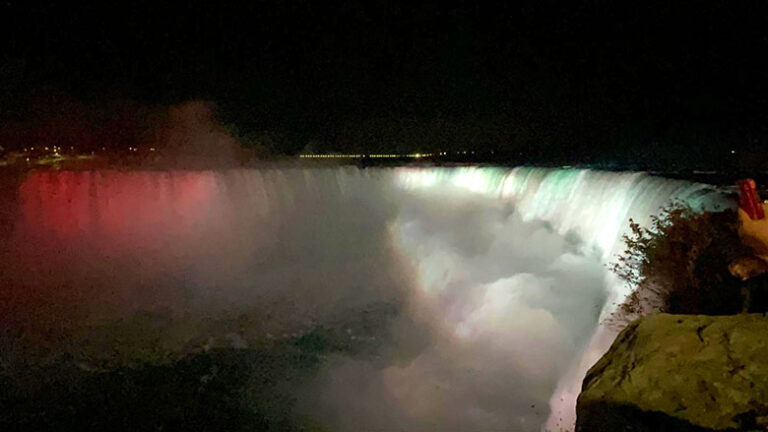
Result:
pixel 595 205
pixel 593 208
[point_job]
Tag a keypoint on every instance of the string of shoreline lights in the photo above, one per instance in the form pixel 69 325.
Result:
pixel 377 155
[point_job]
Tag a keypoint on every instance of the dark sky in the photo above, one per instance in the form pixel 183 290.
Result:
pixel 579 81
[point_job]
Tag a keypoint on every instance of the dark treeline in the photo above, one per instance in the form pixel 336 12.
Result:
pixel 650 84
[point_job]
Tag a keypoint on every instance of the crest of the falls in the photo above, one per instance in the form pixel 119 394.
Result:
pixel 595 205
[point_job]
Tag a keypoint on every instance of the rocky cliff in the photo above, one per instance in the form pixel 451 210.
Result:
pixel 681 373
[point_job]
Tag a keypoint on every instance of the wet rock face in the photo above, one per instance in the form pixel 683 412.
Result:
pixel 681 373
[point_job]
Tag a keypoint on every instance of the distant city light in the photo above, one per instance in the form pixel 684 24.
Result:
pixel 733 151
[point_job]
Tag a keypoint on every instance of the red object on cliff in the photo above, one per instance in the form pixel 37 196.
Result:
pixel 749 201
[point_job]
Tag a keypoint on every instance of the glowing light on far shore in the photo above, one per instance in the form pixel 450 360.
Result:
pixel 373 156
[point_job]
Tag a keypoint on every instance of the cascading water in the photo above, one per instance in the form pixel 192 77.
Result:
pixel 587 210
pixel 594 206
pixel 500 271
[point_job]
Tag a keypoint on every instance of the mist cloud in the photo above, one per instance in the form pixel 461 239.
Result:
pixel 509 306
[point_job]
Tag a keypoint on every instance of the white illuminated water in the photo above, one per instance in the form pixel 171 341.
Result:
pixel 500 274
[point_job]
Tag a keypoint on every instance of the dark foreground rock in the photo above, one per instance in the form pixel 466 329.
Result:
pixel 681 373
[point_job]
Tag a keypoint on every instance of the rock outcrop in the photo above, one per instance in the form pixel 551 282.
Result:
pixel 681 373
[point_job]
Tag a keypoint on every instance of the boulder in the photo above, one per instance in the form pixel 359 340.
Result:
pixel 748 267
pixel 680 373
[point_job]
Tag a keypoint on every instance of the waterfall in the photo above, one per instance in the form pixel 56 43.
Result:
pixel 595 206
pixel 503 269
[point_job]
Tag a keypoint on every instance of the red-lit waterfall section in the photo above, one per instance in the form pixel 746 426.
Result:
pixel 122 207
pixel 126 235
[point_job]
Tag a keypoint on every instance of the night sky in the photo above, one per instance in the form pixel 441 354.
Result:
pixel 648 83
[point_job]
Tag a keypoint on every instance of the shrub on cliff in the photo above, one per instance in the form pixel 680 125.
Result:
pixel 679 264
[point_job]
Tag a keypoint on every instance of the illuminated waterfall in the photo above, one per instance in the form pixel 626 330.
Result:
pixel 595 206
pixel 590 206
pixel 506 267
